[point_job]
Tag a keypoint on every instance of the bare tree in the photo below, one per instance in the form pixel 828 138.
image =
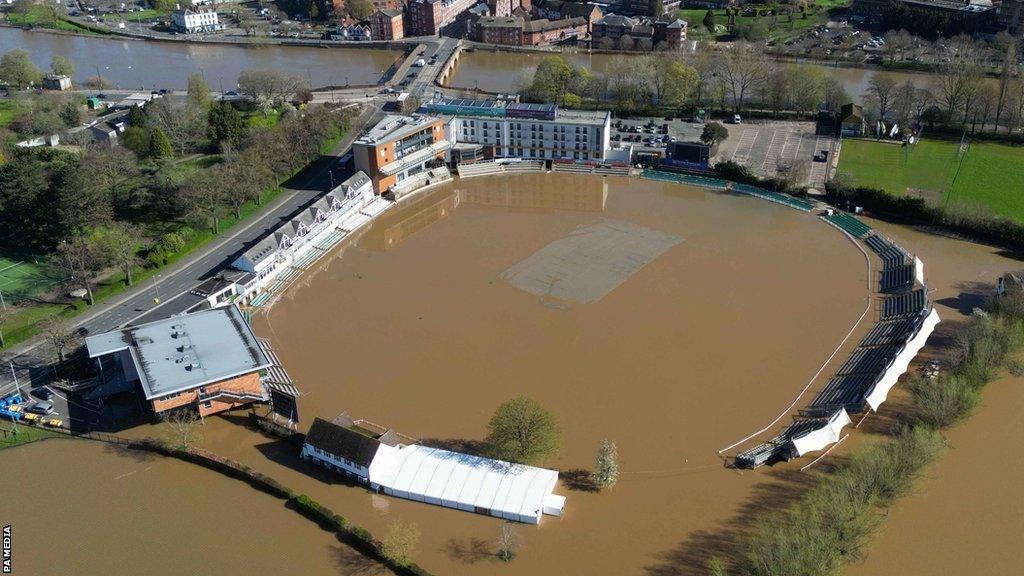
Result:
pixel 508 542
pixel 606 464
pixel 82 261
pixel 958 82
pixel 201 198
pixel 269 85
pixel 881 92
pixel 60 334
pixel 183 427
pixel 184 123
pixel 742 70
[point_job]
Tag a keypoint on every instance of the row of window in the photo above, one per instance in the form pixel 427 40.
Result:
pixel 320 452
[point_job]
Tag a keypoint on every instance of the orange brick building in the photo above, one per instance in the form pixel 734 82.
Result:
pixel 399 147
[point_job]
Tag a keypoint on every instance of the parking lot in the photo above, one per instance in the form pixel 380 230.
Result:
pixel 765 146
pixel 645 134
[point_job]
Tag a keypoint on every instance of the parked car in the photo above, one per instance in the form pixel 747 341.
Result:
pixel 41 408
pixel 43 393
pixel 736 119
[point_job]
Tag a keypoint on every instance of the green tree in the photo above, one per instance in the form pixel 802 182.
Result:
pixel 137 116
pixel 199 92
pixel 606 465
pixel 160 145
pixel 225 124
pixel 523 431
pixel 136 139
pixel 713 133
pixel 62 66
pixel 359 9
pixel 679 83
pixel 709 21
pixel 120 244
pixel 71 113
pixel 400 541
pixel 551 80
pixel 655 8
pixel 17 69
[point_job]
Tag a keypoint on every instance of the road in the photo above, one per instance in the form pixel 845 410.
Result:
pixel 28 362
pixel 29 359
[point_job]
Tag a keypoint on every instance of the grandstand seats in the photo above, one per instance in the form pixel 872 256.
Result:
pixel 846 222
pixel 891 254
pixel 904 305
pixel 706 182
pixel 896 279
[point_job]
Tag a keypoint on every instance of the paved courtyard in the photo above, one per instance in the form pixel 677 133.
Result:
pixel 763 146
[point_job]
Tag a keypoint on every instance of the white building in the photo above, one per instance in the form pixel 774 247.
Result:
pixel 399 467
pixel 195 20
pixel 496 129
pixel 298 242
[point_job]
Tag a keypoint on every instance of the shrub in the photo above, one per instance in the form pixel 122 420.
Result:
pixel 943 401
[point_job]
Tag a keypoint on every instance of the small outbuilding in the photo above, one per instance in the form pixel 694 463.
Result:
pixel 851 120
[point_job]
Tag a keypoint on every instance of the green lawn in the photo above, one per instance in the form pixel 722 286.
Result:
pixel 21 278
pixel 8 110
pixel 42 16
pixel 783 28
pixel 148 14
pixel 989 175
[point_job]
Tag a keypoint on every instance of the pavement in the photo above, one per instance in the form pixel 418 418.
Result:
pixel 766 145
pixel 28 364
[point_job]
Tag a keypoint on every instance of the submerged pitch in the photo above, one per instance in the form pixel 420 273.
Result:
pixel 590 262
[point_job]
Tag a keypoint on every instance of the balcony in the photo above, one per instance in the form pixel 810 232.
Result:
pixel 415 158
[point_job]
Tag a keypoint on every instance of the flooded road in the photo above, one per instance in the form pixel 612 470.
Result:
pixel 87 508
pixel 131 64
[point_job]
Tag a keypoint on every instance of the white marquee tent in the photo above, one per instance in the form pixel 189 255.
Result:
pixel 471 483
pixel 818 439
pixel 880 391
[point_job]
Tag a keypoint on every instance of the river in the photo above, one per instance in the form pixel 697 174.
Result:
pixel 505 72
pixel 147 65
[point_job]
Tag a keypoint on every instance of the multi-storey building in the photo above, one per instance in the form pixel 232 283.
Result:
pixel 194 20
pixel 429 17
pixel 399 147
pixel 494 129
pixel 504 30
pixel 543 31
pixel 613 28
pixel 387 24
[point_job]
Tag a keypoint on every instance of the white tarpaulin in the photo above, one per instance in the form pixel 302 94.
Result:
pixel 471 483
pixel 818 439
pixel 919 270
pixel 880 391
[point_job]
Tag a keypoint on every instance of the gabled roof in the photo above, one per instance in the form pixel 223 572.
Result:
pixel 544 24
pixel 617 20
pixel 342 442
pixel 851 113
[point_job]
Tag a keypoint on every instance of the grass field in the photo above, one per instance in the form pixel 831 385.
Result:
pixel 784 26
pixel 44 17
pixel 990 175
pixel 20 279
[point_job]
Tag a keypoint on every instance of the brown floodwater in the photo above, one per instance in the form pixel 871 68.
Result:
pixel 966 516
pixel 412 326
pixel 81 507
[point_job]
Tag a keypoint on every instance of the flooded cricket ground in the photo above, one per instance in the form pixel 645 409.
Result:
pixel 672 320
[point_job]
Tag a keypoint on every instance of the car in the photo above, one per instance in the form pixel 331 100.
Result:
pixel 736 119
pixel 824 155
pixel 41 408
pixel 231 93
pixel 43 393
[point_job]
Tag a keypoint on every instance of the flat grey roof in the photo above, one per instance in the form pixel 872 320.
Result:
pixel 184 352
pixel 395 127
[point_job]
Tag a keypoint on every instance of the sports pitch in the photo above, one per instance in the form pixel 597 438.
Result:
pixel 20 279
pixel 988 175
